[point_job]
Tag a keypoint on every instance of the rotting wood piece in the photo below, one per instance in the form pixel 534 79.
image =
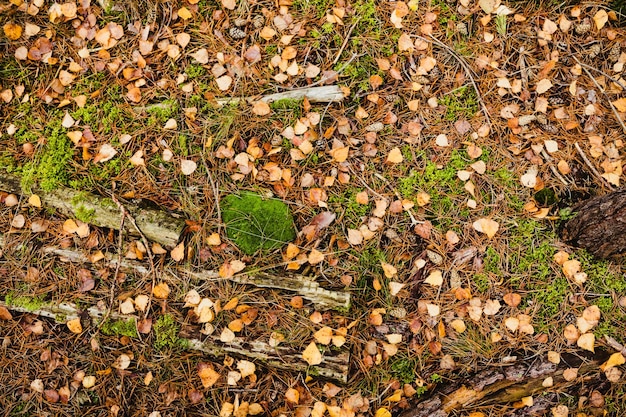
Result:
pixel 323 94
pixel 501 386
pixel 310 290
pixel 599 225
pixel 157 225
pixel 334 365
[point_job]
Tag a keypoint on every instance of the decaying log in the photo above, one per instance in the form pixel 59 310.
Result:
pixel 157 225
pixel 501 386
pixel 599 225
pixel 334 365
pixel 306 287
pixel 323 94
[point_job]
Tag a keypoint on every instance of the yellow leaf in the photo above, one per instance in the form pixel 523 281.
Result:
pixel 571 267
pixel 435 278
pixel 405 43
pixel 161 290
pixel 75 326
pixel 587 341
pixel 616 359
pixel 620 104
pixel 12 31
pixel 601 18
pixel 395 156
pixel 340 154
pixel 70 226
pixel 486 226
pixel 312 354
pixel 323 335
pixel 292 396
pixel 178 253
pixel 383 412
pixel 214 240
pixel 388 269
pixel 184 13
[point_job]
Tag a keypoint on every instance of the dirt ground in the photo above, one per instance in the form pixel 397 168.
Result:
pixel 430 187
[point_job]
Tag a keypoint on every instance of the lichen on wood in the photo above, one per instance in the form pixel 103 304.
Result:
pixel 157 225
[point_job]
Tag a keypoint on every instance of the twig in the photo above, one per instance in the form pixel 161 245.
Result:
pixel 146 244
pixel 465 66
pixel 619 120
pixel 591 167
pixel 345 42
pixel 414 221
pixel 556 173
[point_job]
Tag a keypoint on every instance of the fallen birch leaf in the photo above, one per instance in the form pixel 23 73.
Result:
pixel 312 354
pixel 486 226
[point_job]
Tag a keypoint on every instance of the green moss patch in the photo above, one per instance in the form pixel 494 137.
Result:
pixel 254 223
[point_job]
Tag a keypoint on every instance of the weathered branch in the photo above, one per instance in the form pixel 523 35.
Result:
pixel 299 284
pixel 324 94
pixel 499 385
pixel 333 366
pixel 157 225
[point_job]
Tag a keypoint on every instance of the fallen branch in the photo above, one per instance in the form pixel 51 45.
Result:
pixel 500 386
pixel 324 94
pixel 323 299
pixel 333 366
pixel 157 225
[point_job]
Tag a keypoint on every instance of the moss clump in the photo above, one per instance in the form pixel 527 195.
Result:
pixel 51 170
pixel 254 223
pixel 28 303
pixel 166 334
pixel 120 328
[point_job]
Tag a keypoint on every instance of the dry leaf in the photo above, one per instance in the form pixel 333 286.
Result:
pixel 586 341
pixel 224 82
pixel 323 335
pixel 395 156
pixel 261 108
pixel 389 270
pixel 12 31
pixel 315 257
pixel 122 362
pixel 187 166
pixel 227 335
pixel 600 18
pixel 207 374
pixel 246 368
pixel 105 153
pixel 178 253
pixel 75 326
pixel 486 226
pixel 312 354
pixel 435 278
pixel 161 290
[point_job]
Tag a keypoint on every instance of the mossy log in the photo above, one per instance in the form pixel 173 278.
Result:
pixel 306 287
pixel 334 364
pixel 503 386
pixel 599 225
pixel 157 225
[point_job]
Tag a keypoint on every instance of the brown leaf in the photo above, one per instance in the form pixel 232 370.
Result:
pixel 5 314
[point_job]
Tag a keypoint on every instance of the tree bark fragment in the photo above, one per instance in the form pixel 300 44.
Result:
pixel 599 225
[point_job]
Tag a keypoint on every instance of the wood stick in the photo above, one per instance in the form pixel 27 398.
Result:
pixel 306 287
pixel 157 225
pixel 333 366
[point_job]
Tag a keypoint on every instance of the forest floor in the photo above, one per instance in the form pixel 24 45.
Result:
pixel 432 192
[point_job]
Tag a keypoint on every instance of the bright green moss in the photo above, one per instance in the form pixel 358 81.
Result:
pixel 120 328
pixel 254 223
